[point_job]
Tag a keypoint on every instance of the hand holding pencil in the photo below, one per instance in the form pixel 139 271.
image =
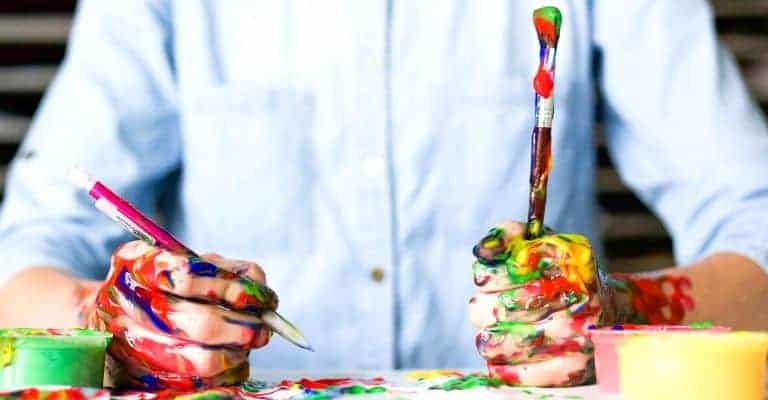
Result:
pixel 181 320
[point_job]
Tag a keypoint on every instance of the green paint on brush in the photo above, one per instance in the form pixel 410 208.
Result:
pixel 468 382
pixel 550 14
pixel 693 325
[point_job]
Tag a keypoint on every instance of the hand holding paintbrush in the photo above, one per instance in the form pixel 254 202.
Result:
pixel 537 290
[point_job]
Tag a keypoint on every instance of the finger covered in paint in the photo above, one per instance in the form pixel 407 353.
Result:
pixel 568 370
pixel 142 350
pixel 195 278
pixel 204 324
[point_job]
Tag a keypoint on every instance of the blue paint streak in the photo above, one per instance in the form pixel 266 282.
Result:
pixel 202 268
pixel 249 324
pixel 140 299
pixel 150 381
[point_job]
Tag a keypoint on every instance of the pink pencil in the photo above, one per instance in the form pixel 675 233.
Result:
pixel 145 229
pixel 126 215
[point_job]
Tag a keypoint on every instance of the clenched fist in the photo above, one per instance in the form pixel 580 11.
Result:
pixel 180 322
pixel 536 299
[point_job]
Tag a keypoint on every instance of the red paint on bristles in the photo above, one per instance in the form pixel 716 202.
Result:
pixel 546 30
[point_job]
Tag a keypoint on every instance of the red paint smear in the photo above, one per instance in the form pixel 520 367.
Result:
pixel 553 288
pixel 546 30
pixel 30 394
pixel 559 349
pixel 505 373
pixel 67 394
pixel 543 83
pixel 320 384
pixel 580 319
pixel 650 300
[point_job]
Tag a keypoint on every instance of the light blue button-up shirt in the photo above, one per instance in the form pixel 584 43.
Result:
pixel 326 139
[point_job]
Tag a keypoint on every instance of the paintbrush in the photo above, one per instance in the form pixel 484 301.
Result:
pixel 547 21
pixel 145 229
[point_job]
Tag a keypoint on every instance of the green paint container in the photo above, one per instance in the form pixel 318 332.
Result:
pixel 37 357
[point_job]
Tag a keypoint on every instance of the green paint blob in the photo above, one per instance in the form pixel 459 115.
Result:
pixel 468 382
pixel 252 289
pixel 356 389
pixel 517 277
pixel 254 386
pixel 522 330
pixel 693 325
pixel 376 389
pixel 37 357
pixel 572 298
pixel 551 14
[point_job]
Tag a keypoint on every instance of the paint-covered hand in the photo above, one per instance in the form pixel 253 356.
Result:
pixel 536 299
pixel 180 322
pixel 652 300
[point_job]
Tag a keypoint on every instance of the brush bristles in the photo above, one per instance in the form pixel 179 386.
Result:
pixel 547 21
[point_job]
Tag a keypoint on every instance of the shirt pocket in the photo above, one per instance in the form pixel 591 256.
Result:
pixel 247 164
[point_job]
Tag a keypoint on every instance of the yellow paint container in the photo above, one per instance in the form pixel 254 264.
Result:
pixel 694 365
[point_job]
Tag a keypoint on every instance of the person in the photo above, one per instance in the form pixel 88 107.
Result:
pixel 357 150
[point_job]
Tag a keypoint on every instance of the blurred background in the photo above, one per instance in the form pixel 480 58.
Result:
pixel 33 35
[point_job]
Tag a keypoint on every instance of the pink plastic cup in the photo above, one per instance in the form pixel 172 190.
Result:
pixel 607 338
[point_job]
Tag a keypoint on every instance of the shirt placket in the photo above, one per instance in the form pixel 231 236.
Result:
pixel 374 223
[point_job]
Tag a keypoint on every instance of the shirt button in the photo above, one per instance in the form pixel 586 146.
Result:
pixel 372 167
pixel 377 274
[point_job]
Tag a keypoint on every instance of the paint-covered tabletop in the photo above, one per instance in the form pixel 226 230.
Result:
pixel 413 384
pixel 322 385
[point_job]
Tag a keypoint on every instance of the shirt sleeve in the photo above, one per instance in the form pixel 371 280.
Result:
pixel 111 111
pixel 681 127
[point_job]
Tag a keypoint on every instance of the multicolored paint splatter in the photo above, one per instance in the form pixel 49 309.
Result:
pixel 547 21
pixel 56 394
pixel 157 345
pixel 536 298
pixel 406 385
